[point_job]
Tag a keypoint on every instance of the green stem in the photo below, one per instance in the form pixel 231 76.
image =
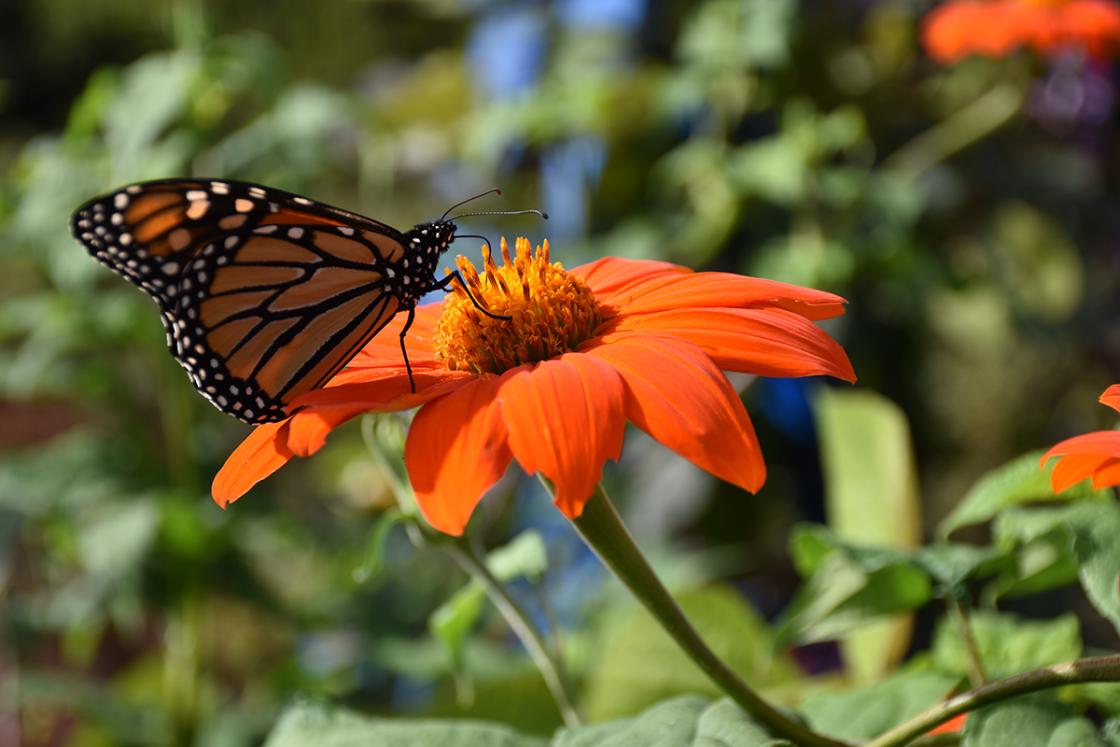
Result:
pixel 983 116
pixel 522 626
pixel 603 530
pixel 547 660
pixel 976 674
pixel 1097 669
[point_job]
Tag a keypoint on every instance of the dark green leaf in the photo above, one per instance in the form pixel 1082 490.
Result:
pixel 1008 644
pixel 1019 481
pixel 870 711
pixel 310 725
pixel 1030 720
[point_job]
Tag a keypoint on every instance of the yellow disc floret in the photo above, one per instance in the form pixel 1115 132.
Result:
pixel 550 312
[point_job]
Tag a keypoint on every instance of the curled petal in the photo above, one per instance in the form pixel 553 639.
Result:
pixel 664 292
pixel 767 342
pixel 456 450
pixel 263 452
pixel 610 276
pixel 675 393
pixel 565 420
pixel 1111 397
pixel 383 389
pixel 1090 455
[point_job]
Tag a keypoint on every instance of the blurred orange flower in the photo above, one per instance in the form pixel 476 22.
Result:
pixel 1091 455
pixel 586 350
pixel 995 28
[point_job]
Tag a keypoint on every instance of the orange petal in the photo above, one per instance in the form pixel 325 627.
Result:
pixel 385 347
pixel 952 726
pixel 1081 456
pixel 767 342
pixel 1111 397
pixel 309 428
pixel 610 276
pixel 264 451
pixel 664 292
pixel 675 393
pixel 383 390
pixel 565 420
pixel 456 450
pixel 1074 468
pixel 1107 475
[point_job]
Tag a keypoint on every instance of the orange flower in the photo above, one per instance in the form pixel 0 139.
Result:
pixel 995 28
pixel 1095 455
pixel 585 351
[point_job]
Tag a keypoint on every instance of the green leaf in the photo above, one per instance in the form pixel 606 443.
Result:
pixel 952 564
pixel 687 720
pixel 1016 482
pixel 1089 529
pixel 871 490
pixel 870 711
pixel 849 586
pixel 640 665
pixel 311 725
pixel 1030 720
pixel 379 535
pixel 1008 644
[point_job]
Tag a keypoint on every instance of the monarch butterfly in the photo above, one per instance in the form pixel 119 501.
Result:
pixel 264 295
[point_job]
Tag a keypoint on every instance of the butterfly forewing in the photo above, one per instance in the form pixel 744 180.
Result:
pixel 265 295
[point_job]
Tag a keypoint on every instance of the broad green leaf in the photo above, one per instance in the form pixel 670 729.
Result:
pixel 640 665
pixel 1030 720
pixel 869 711
pixel 1019 481
pixel 686 721
pixel 844 594
pixel 871 491
pixel 1008 644
pixel 952 564
pixel 1089 529
pixel 311 725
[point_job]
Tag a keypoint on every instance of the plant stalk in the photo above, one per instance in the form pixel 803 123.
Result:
pixel 522 626
pixel 1096 669
pixel 976 674
pixel 603 530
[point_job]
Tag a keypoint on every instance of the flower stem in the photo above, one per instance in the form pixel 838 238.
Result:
pixel 980 118
pixel 545 658
pixel 1097 669
pixel 603 530
pixel 522 626
pixel 976 674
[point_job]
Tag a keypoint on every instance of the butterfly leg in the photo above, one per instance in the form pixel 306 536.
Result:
pixel 404 351
pixel 443 284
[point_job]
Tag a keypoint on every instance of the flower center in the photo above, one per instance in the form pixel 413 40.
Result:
pixel 551 312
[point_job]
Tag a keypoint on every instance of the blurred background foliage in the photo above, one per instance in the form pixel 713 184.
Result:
pixel 967 213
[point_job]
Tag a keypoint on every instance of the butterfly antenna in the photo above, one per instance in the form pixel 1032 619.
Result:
pixel 494 191
pixel 531 211
pixel 489 243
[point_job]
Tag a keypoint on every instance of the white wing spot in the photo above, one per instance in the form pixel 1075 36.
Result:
pixel 230 242
pixel 197 194
pixel 120 201
pixel 242 205
pixel 265 229
pixel 256 192
pixel 219 188
pixel 301 200
pixel 295 233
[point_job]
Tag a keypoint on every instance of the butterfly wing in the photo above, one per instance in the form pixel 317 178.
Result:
pixel 265 295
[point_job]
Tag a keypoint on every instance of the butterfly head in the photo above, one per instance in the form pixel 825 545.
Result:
pixel 432 239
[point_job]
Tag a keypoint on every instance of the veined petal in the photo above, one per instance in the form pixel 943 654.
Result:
pixel 665 292
pixel 383 389
pixel 456 450
pixel 264 451
pixel 675 393
pixel 566 419
pixel 767 342
pixel 385 347
pixel 610 276
pixel 1111 397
